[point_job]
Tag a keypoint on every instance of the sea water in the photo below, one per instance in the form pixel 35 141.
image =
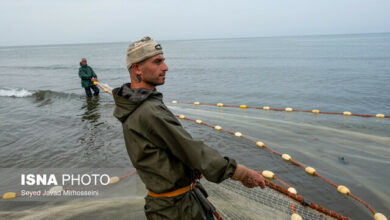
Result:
pixel 47 121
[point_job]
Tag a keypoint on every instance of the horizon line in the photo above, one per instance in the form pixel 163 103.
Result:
pixel 195 39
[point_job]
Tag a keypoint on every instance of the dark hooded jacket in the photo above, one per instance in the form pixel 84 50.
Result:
pixel 165 155
pixel 86 73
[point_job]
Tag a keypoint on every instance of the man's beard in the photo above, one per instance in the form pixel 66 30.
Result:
pixel 155 82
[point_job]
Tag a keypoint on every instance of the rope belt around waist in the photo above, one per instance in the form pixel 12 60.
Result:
pixel 172 193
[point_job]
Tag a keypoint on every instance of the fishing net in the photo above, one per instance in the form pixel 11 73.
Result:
pixel 234 201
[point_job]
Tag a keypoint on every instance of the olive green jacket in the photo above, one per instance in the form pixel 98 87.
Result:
pixel 85 74
pixel 165 155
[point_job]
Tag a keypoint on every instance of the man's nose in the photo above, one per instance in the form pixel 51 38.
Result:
pixel 165 67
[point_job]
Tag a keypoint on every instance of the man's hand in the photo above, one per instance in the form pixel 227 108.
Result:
pixel 253 179
pixel 94 79
pixel 248 177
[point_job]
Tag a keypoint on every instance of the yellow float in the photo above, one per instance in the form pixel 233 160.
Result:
pixel 286 157
pixel 268 174
pixel 347 113
pixel 379 216
pixel 260 144
pixel 9 195
pixel 295 216
pixel 292 190
pixel 343 189
pixel 238 134
pixel 113 180
pixel 310 170
pixel 217 127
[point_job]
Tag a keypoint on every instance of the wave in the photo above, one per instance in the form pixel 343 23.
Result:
pixel 19 93
pixel 38 94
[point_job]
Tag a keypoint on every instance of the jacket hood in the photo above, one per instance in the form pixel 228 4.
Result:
pixel 127 100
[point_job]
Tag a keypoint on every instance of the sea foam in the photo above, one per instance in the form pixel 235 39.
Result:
pixel 15 93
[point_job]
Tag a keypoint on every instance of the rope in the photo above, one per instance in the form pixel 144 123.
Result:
pixel 266 108
pixel 309 170
pixel 103 86
pixel 300 199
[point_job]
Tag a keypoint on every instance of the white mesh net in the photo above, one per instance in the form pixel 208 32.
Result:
pixel 234 201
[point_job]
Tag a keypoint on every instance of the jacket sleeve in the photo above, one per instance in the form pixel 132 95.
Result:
pixel 83 75
pixel 166 131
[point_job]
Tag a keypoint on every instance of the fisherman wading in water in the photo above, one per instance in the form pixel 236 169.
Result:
pixel 87 76
pixel 166 157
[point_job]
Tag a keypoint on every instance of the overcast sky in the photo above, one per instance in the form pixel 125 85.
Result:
pixel 30 22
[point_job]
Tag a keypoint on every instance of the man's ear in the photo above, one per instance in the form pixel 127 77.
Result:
pixel 136 68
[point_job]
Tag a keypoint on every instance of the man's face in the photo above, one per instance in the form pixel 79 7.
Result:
pixel 153 70
pixel 83 62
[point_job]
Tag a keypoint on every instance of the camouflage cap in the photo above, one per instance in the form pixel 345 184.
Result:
pixel 141 50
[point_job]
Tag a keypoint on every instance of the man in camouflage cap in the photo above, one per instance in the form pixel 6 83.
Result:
pixel 166 157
